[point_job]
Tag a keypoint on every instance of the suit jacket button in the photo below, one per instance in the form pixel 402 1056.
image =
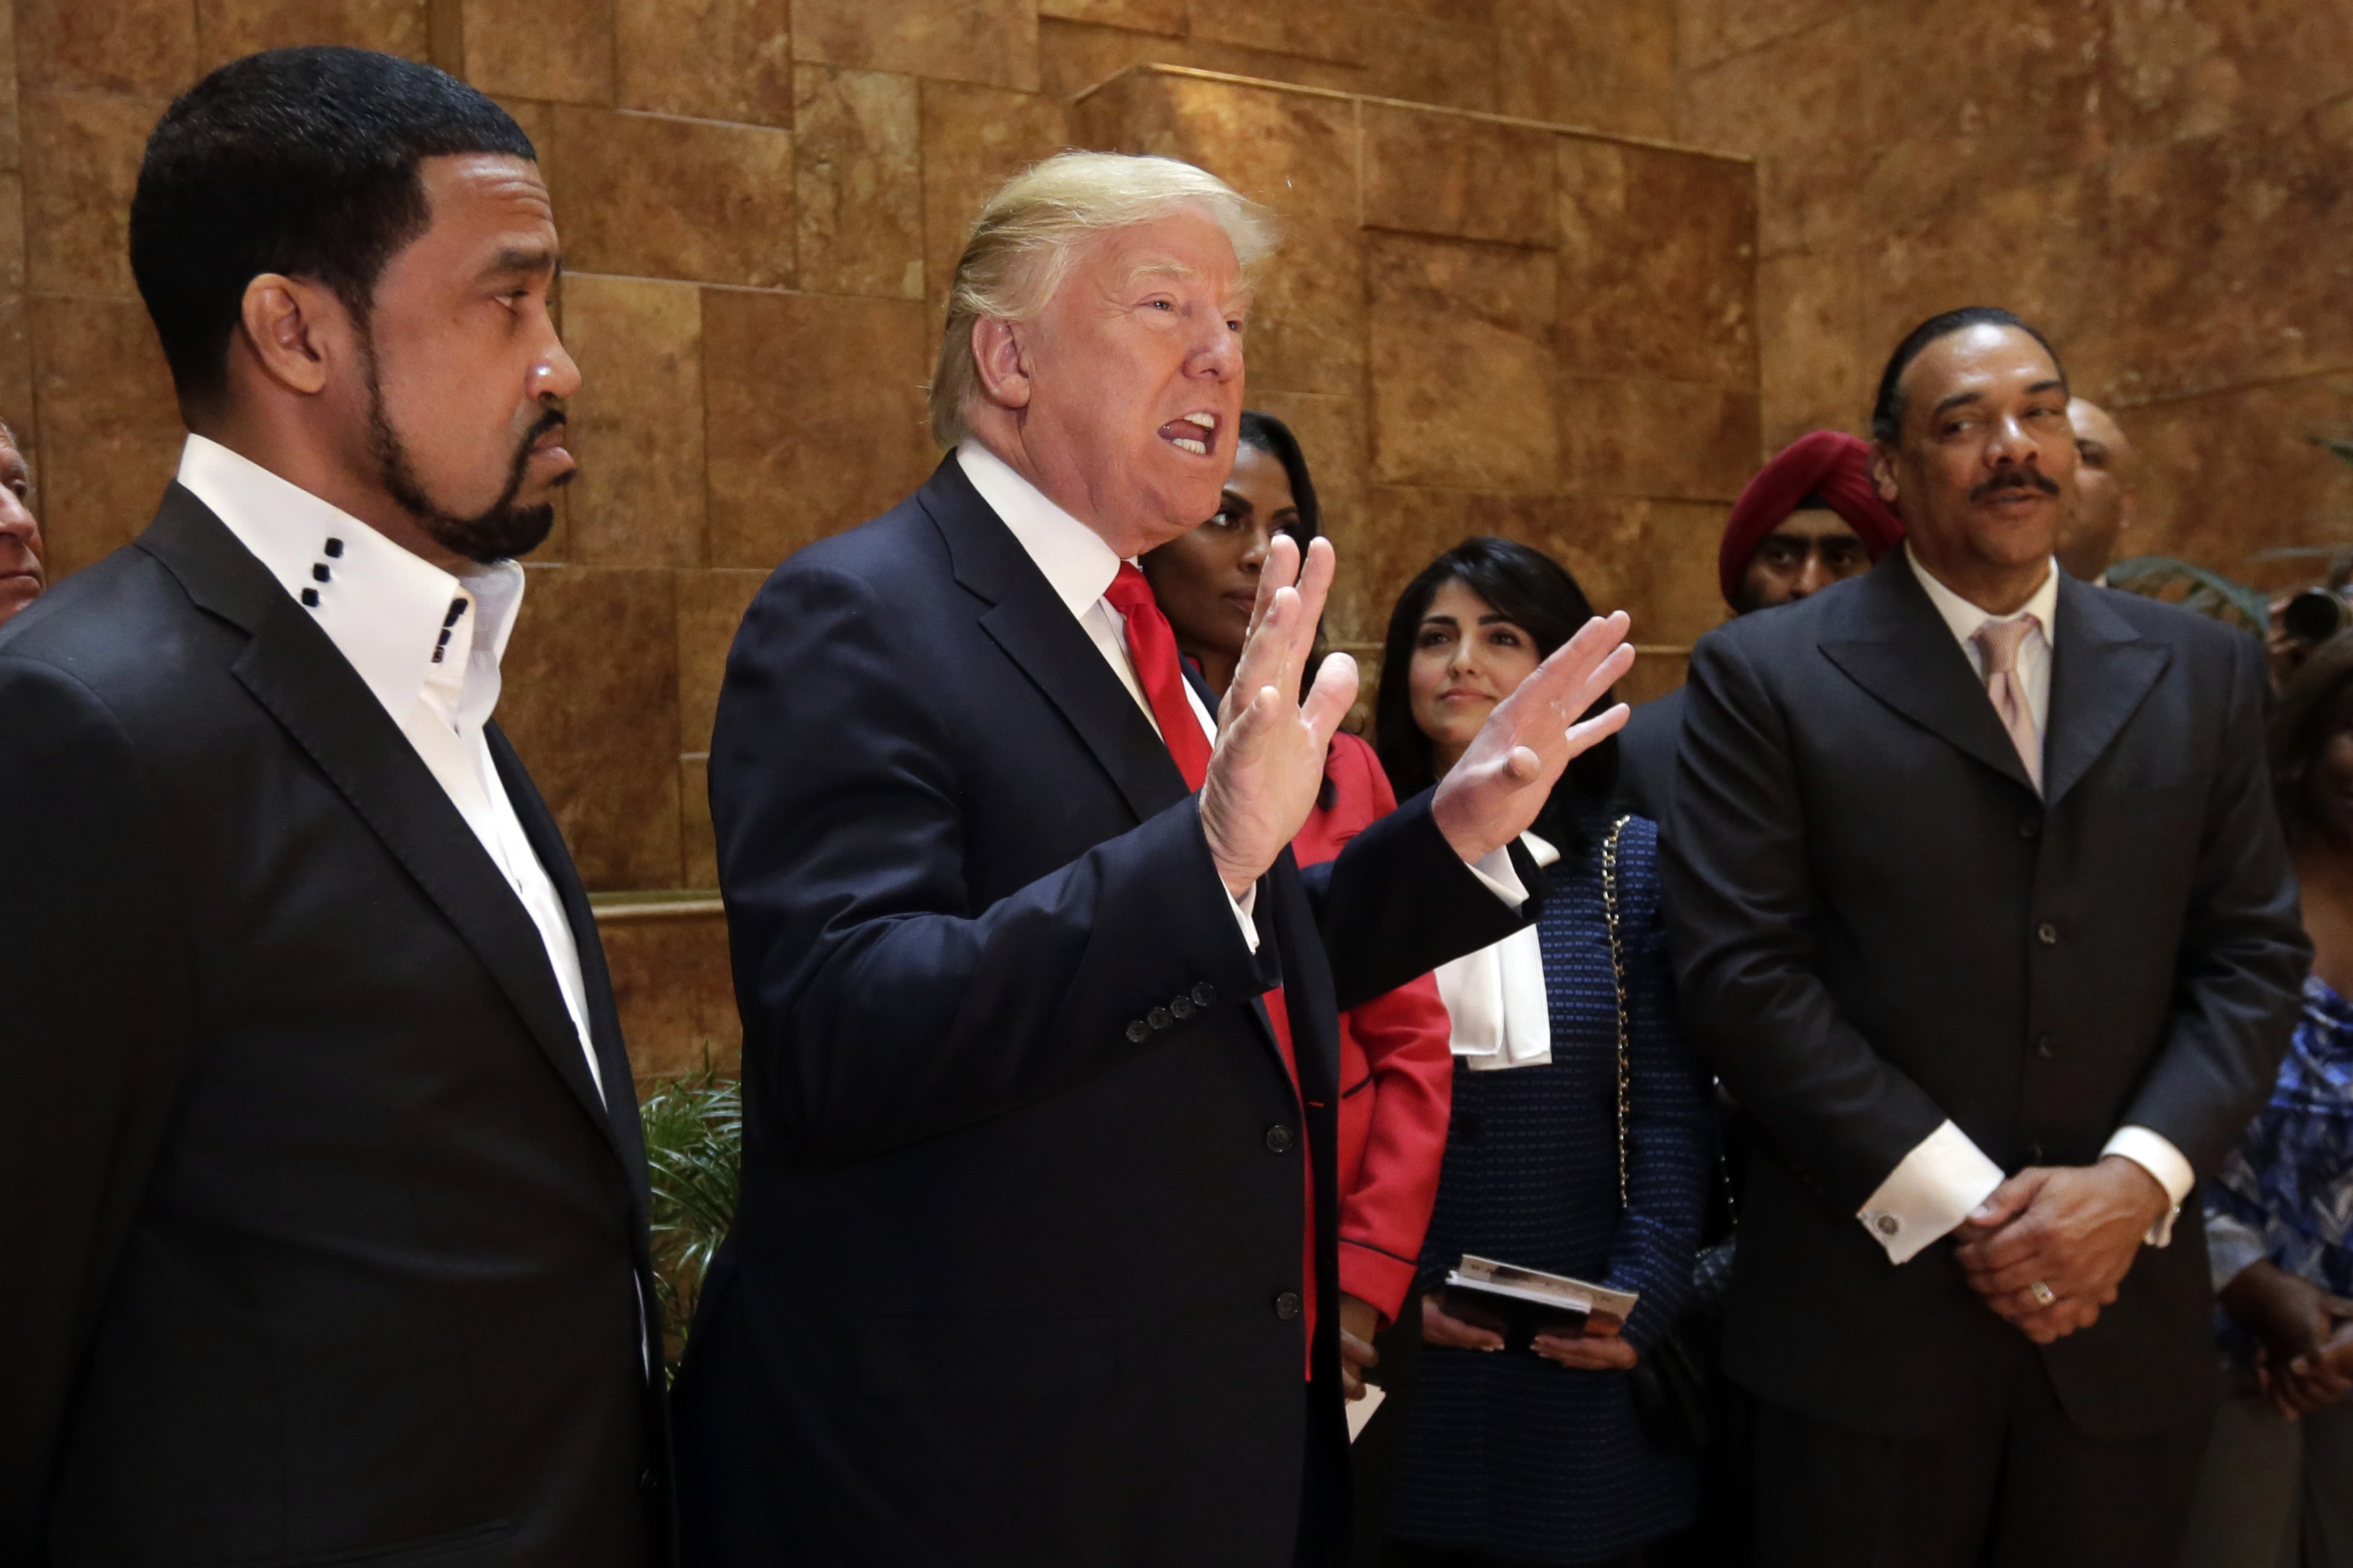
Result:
pixel 1278 1138
pixel 2047 934
pixel 1288 1306
pixel 1182 1007
pixel 2029 826
pixel 2046 1046
pixel 1204 994
pixel 1158 1019
pixel 1138 1031
pixel 2035 1153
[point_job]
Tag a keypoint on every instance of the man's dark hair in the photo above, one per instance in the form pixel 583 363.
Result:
pixel 2316 704
pixel 302 161
pixel 1887 412
pixel 1273 437
pixel 1534 592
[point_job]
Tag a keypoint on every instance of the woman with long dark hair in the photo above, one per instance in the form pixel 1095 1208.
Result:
pixel 1394 1071
pixel 1581 1141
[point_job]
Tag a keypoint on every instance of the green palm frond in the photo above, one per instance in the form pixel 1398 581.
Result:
pixel 694 1156
pixel 2207 592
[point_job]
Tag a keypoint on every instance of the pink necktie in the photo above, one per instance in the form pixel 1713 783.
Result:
pixel 1999 641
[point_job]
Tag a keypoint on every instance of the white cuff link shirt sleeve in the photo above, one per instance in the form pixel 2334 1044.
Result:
pixel 1929 1193
pixel 2156 1154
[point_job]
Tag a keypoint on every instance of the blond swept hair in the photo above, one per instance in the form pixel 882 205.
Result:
pixel 1023 240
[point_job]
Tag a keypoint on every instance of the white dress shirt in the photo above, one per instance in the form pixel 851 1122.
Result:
pixel 1079 566
pixel 426 643
pixel 1499 1013
pixel 1945 1175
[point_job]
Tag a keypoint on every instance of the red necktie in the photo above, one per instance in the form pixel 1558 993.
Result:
pixel 1152 647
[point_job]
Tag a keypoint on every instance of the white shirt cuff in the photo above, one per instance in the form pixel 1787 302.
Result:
pixel 1929 1193
pixel 1494 868
pixel 2232 1245
pixel 2155 1153
pixel 1242 908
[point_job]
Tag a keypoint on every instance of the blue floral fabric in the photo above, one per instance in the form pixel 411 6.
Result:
pixel 2291 1178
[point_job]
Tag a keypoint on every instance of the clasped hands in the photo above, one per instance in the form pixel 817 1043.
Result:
pixel 2073 1230
pixel 1268 764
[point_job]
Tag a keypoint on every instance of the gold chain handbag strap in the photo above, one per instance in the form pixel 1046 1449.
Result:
pixel 1617 972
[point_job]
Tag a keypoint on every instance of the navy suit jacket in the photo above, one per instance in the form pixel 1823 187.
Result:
pixel 1016 1271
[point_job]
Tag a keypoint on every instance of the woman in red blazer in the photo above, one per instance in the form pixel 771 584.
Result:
pixel 1396 1078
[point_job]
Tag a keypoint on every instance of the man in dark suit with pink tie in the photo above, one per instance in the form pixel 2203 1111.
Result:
pixel 1035 1260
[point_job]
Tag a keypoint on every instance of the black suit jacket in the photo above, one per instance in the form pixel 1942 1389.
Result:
pixel 1015 1274
pixel 1646 755
pixel 321 1241
pixel 1878 926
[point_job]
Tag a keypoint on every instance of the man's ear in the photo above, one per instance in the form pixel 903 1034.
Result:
pixel 1003 362
pixel 283 324
pixel 1883 472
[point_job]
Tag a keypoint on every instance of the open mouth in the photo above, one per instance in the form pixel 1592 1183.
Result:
pixel 1194 433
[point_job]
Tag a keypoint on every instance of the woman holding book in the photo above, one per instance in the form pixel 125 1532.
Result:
pixel 1581 1142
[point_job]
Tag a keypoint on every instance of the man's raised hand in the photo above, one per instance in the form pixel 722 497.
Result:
pixel 1501 785
pixel 1269 762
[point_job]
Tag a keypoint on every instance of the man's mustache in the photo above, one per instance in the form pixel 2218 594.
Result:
pixel 2015 480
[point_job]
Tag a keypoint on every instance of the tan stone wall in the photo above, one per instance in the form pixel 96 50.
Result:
pixel 2165 185
pixel 761 201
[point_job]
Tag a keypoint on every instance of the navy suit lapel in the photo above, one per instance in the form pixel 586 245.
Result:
pixel 1030 622
pixel 2101 672
pixel 292 668
pixel 1892 642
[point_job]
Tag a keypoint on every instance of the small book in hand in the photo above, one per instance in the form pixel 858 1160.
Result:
pixel 1521 1303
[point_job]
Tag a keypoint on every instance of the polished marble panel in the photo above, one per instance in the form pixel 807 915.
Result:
pixel 109 430
pixel 139 47
pixel 590 700
pixel 637 421
pixel 659 196
pixel 81 162
pixel 230 29
pixel 1461 365
pixel 974 138
pixel 675 995
pixel 1431 59
pixel 817 416
pixel 556 49
pixel 1667 439
pixel 719 60
pixel 859 174
pixel 993 42
pixel 1658 263
pixel 1451 175
pixel 1601 64
pixel 1318 29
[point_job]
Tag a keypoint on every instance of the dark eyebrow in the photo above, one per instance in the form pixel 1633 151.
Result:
pixel 1438 620
pixel 525 258
pixel 1955 401
pixel 1496 618
pixel 1233 500
pixel 2091 448
pixel 2041 386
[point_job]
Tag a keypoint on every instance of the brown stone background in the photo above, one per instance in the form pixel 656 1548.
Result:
pixel 1482 321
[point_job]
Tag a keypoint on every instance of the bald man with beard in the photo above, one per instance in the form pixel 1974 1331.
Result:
pixel 2108 482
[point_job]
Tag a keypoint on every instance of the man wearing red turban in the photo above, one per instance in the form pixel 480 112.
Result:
pixel 1811 517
